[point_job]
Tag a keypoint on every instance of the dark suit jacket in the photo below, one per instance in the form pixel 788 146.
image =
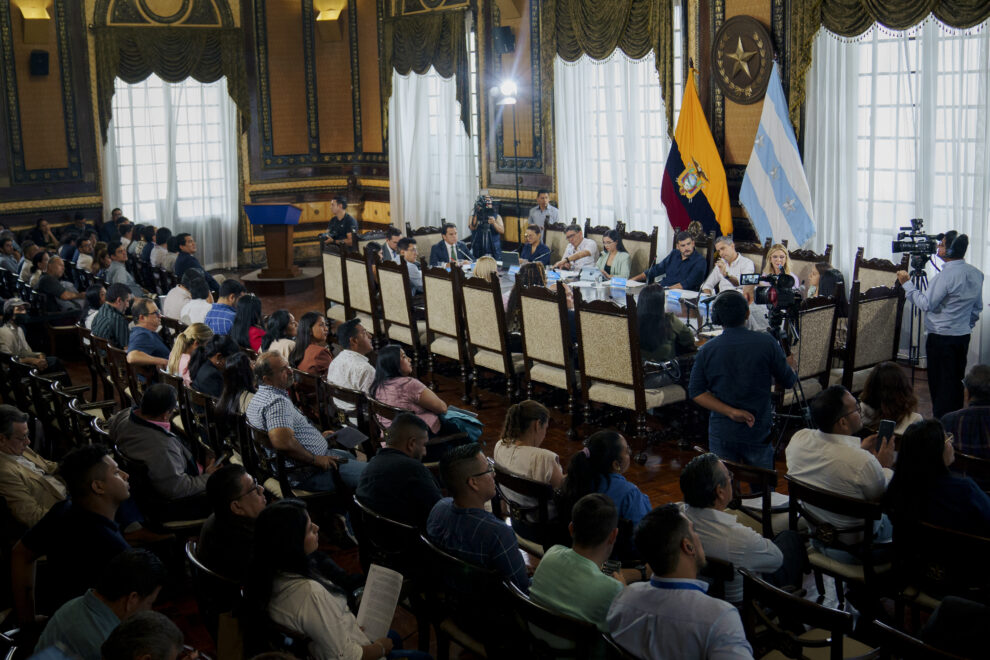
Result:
pixel 440 253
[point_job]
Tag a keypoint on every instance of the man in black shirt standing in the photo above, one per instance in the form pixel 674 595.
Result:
pixel 343 227
pixel 396 484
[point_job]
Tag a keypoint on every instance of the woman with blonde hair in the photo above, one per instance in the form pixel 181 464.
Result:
pixel 778 261
pixel 186 342
pixel 486 267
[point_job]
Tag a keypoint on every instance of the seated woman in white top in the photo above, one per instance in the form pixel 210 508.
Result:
pixel 887 394
pixel 284 588
pixel 519 450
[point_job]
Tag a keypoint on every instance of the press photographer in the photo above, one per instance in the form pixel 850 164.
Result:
pixel 486 228
pixel 952 303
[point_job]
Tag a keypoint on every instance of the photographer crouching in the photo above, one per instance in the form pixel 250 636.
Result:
pixel 952 304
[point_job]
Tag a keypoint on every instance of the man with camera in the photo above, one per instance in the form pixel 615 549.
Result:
pixel 952 304
pixel 486 228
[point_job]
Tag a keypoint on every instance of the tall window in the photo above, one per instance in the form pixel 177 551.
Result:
pixel 475 112
pixel 171 161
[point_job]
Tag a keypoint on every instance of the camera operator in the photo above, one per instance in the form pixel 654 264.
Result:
pixel 952 304
pixel 486 228
pixel 732 377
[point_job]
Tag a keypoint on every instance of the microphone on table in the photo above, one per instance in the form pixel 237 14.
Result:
pixel 708 301
pixel 461 250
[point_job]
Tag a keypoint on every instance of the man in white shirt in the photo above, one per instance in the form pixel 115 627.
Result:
pixel 580 251
pixel 728 268
pixel 672 616
pixel 833 458
pixel 159 252
pixel 179 295
pixel 542 212
pixel 84 260
pixel 350 368
pixel 199 305
pixel 707 487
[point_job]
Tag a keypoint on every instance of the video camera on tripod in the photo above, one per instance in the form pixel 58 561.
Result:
pixel 915 242
pixel 784 303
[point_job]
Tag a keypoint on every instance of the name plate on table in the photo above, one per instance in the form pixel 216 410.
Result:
pixel 618 282
pixel 553 276
pixel 513 270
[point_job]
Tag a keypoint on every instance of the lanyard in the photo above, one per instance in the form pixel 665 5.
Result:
pixel 686 586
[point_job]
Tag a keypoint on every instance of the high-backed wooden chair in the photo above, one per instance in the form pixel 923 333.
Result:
pixel 487 336
pixel 119 374
pixel 898 644
pixel 309 394
pixel 642 249
pixel 612 369
pixel 816 323
pixel 379 413
pixel 334 283
pixel 553 236
pixel 171 328
pixel 269 467
pixel 349 406
pixel 802 261
pixel 596 233
pixel 548 353
pixel 535 623
pixel 877 272
pixel 215 593
pixel 874 333
pixel 529 505
pixel 426 237
pixel 398 319
pixel 754 251
pixel 365 237
pixel 445 334
pixel 362 296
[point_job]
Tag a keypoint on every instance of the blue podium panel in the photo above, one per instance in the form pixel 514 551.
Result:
pixel 273 214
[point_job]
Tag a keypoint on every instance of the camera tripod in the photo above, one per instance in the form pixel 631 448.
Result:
pixel 788 334
pixel 919 278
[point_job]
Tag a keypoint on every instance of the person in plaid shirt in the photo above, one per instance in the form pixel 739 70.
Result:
pixel 971 425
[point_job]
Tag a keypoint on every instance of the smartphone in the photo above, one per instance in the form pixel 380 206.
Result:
pixel 611 566
pixel 885 431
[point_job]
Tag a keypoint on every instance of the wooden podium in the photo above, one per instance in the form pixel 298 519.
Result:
pixel 278 221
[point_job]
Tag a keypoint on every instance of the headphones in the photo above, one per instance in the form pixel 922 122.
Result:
pixel 717 305
pixel 956 245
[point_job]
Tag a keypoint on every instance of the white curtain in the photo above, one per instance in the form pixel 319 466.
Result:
pixel 432 169
pixel 171 161
pixel 898 127
pixel 611 142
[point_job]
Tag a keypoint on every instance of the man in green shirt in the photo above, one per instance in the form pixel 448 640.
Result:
pixel 570 580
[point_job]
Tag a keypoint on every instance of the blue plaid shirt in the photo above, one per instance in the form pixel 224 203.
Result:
pixel 271 409
pixel 220 318
pixel 479 538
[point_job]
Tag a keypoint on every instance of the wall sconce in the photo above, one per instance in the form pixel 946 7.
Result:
pixel 35 19
pixel 330 19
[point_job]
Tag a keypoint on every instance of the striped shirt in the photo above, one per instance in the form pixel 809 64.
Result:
pixel 270 408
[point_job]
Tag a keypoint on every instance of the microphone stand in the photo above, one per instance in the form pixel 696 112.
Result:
pixel 707 302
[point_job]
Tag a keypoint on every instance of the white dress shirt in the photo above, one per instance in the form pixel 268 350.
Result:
pixel 308 607
pixel 174 302
pixel 586 244
pixel 724 537
pixel 352 370
pixel 157 257
pixel 195 311
pixel 717 282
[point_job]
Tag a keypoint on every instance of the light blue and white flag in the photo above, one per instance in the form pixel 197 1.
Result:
pixel 775 189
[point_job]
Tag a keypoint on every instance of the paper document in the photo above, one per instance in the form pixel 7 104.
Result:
pixel 630 284
pixel 684 293
pixel 381 595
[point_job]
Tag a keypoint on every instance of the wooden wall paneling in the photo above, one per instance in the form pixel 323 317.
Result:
pixel 41 109
pixel 332 64
pixel 284 42
pixel 369 59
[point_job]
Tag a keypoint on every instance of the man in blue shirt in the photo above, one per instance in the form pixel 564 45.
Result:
pixel 732 378
pixel 952 304
pixel 461 525
pixel 684 267
pixel 145 347
pixel 221 315
pixel 187 260
pixel 130 584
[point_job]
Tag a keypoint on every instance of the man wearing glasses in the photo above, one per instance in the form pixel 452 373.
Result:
pixel 145 347
pixel 461 525
pixel 835 459
pixel 580 251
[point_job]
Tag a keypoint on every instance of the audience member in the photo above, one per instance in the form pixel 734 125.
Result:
pixel 238 385
pixel 308 456
pixel 101 263
pixel 390 250
pixel 598 468
pixel 343 228
pixel 168 261
pixel 13 342
pixel 672 616
pixel 396 484
pixel 614 261
pixel 923 490
pixel 27 481
pixel 223 312
pixel 79 535
pixel 130 584
pixel 486 227
pixel 160 249
pixel 706 484
pixel 543 212
pixel 126 231
pixel 247 329
pixel 834 459
pixel 280 333
pixel 449 250
pixel 118 273
pixel 207 364
pixel 519 451
pixel 662 336
pixel 179 295
pixel 970 426
pixel 67 249
pixel 728 268
pixel 61 296
pixel 284 587
pixel 42 235
pixel 351 368
pixel 485 268
pixel 570 580
pixel 186 259
pixel 144 636
pixel 39 266
pixel 407 249
pixel 311 353
pixel 110 322
pixel 96 295
pixel 144 346
pixel 732 377
pixel 534 249
pixel 148 235
pixel 23 271
pixel 888 394
pixel 461 526
pixel 200 301
pixel 84 257
pixel 580 251
pixel 8 258
pixel 186 343
pixel 135 247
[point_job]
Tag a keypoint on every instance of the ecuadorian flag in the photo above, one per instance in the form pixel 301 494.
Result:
pixel 694 186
